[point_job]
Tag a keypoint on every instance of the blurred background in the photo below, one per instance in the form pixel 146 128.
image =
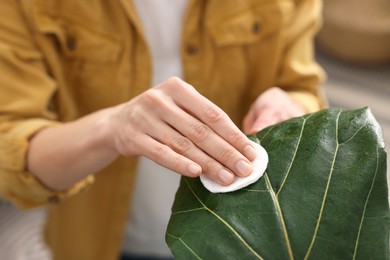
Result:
pixel 353 47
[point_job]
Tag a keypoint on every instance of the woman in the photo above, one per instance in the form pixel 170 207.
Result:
pixel 78 107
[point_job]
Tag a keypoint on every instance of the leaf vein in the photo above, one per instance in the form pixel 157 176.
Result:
pixel 365 206
pixel 293 158
pixel 186 211
pixel 280 216
pixel 349 139
pixel 326 191
pixel 269 131
pixel 225 223
pixel 185 244
pixel 252 190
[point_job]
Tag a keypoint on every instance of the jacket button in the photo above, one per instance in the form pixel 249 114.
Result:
pixel 192 49
pixel 54 199
pixel 71 43
pixel 256 27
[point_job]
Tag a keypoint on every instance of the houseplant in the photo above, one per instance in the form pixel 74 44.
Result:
pixel 323 196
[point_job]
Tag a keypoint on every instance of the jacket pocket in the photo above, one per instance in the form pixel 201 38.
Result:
pixel 77 41
pixel 249 26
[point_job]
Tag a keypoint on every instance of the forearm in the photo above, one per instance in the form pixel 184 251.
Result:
pixel 62 155
pixel 160 124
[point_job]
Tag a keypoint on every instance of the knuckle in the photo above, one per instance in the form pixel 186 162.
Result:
pixel 200 132
pixel 135 115
pixel 158 153
pixel 181 144
pixel 177 164
pixel 208 166
pixel 157 96
pixel 237 137
pixel 271 92
pixel 174 82
pixel 152 97
pixel 227 155
pixel 213 114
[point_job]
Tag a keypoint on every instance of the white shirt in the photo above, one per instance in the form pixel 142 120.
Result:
pixel 21 233
pixel 156 186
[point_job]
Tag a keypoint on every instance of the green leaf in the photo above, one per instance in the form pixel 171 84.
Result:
pixel 323 196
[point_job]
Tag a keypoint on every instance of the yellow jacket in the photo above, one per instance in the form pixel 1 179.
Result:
pixel 60 60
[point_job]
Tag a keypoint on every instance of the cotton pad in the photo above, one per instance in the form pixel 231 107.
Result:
pixel 259 165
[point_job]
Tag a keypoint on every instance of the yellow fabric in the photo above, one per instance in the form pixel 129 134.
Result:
pixel 60 60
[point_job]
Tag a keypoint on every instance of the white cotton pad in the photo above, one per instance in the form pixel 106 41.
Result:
pixel 259 165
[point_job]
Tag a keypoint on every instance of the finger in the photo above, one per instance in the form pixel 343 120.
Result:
pixel 212 116
pixel 166 157
pixel 297 111
pixel 248 121
pixel 207 140
pixel 182 145
pixel 260 124
pixel 176 143
pixel 272 117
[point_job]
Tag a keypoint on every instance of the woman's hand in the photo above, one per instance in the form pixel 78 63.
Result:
pixel 271 107
pixel 175 126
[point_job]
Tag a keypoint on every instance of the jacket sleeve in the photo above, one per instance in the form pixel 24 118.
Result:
pixel 299 74
pixel 26 105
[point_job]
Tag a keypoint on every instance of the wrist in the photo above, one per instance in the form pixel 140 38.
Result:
pixel 104 132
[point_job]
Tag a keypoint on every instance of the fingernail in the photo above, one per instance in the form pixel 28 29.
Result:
pixel 244 168
pixel 225 177
pixel 250 152
pixel 194 169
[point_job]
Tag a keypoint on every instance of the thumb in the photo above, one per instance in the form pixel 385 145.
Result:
pixel 259 124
